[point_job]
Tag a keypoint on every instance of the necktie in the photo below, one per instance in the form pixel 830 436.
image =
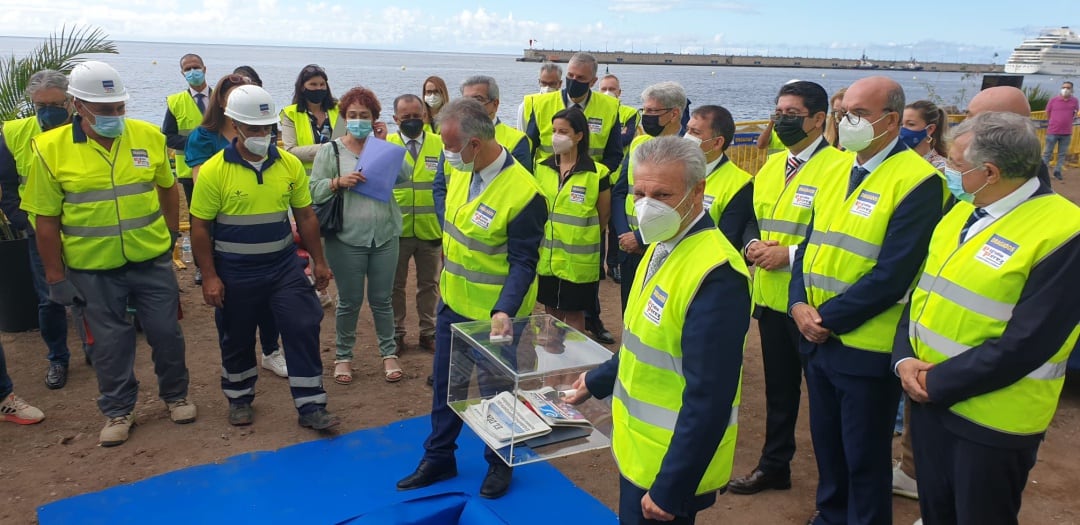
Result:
pixel 793 165
pixel 476 186
pixel 414 148
pixel 577 107
pixel 858 173
pixel 659 255
pixel 975 216
pixel 200 100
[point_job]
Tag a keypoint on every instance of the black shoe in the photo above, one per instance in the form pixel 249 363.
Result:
pixel 431 380
pixel 759 480
pixel 1058 176
pixel 241 415
pixel 427 473
pixel 56 377
pixel 320 419
pixel 601 334
pixel 615 273
pixel 496 482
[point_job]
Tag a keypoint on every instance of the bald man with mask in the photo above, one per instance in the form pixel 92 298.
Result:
pixel 1009 100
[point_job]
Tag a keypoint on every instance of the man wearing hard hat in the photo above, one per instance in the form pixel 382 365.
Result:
pixel 245 193
pixel 104 182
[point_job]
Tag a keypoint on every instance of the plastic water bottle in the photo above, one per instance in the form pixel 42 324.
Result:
pixel 185 249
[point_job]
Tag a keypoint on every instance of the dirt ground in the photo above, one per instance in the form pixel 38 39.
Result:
pixel 60 458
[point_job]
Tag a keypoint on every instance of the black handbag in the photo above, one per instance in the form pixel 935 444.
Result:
pixel 331 212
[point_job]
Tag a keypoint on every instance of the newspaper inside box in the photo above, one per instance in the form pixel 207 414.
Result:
pixel 511 393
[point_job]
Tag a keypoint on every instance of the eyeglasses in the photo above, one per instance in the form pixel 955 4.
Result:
pixel 855 119
pixel 659 111
pixel 482 100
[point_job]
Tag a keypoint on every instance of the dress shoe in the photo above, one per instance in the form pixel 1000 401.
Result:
pixel 427 473
pixel 601 334
pixel 496 482
pixel 56 377
pixel 759 480
pixel 615 273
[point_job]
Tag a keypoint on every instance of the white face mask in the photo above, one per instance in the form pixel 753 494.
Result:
pixel 657 221
pixel 256 145
pixel 561 144
pixel 434 100
pixel 457 162
pixel 546 89
pixel 610 93
pixel 692 139
pixel 857 137
pixel 1065 92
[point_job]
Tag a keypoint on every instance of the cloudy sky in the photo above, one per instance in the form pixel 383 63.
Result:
pixel 949 31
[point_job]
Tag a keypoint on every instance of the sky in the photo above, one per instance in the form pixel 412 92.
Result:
pixel 965 30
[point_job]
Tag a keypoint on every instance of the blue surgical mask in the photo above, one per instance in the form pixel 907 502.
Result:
pixel 955 180
pixel 911 137
pixel 359 128
pixel 50 117
pixel 195 77
pixel 107 126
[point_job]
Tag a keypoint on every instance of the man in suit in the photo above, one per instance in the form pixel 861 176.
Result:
pixel 849 279
pixel 675 382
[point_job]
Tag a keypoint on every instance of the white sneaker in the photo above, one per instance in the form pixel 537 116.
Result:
pixel 275 363
pixel 917 522
pixel 17 411
pixel 903 485
pixel 325 299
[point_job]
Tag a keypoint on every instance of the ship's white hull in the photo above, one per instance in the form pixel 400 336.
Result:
pixel 1057 69
pixel 1053 52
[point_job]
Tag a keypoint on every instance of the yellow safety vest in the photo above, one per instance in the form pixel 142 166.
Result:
pixel 601 112
pixel 631 215
pixel 415 197
pixel 626 113
pixel 107 200
pixel 251 211
pixel 721 185
pixel 783 212
pixel 571 247
pixel 510 137
pixel 648 394
pixel 188 117
pixel 475 236
pixel 302 124
pixel 966 296
pixel 846 240
pixel 17 136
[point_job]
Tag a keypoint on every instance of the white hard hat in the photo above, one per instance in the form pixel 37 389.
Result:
pixel 95 81
pixel 251 105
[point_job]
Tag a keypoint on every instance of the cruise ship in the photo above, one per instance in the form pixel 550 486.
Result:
pixel 1053 52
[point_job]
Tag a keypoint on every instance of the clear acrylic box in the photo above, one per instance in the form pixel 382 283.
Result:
pixel 489 382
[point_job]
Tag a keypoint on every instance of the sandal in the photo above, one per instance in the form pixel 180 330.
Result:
pixel 343 373
pixel 393 375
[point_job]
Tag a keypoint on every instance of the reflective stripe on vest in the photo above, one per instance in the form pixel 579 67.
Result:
pixel 475 236
pixel 415 197
pixel 571 247
pixel 783 211
pixel 847 238
pixel 966 298
pixel 649 389
pixel 188 117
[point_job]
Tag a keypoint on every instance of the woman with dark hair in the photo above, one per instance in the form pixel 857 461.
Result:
pixel 435 97
pixel 212 136
pixel 312 120
pixel 249 73
pixel 578 193
pixel 365 251
pixel 923 130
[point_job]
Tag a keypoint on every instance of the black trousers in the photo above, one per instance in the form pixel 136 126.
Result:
pixel 962 482
pixel 783 388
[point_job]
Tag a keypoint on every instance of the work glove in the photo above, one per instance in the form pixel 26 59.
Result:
pixel 65 293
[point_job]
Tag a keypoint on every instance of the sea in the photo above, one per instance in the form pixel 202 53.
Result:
pixel 151 71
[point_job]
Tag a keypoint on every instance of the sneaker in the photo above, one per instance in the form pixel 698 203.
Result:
pixel 241 415
pixel 275 363
pixel 917 522
pixel 198 275
pixel 320 419
pixel 116 431
pixel 325 299
pixel 903 485
pixel 181 412
pixel 20 412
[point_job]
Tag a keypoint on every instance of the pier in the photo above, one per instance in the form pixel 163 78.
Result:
pixel 714 60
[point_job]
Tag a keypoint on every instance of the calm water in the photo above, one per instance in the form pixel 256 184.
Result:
pixel 151 72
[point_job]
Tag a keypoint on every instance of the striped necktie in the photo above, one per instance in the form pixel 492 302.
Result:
pixel 975 216
pixel 793 165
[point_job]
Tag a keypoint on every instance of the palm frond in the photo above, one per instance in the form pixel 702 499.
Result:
pixel 61 51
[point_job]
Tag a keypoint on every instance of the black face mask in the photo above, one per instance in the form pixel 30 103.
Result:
pixel 316 96
pixel 576 88
pixel 790 131
pixel 651 124
pixel 412 127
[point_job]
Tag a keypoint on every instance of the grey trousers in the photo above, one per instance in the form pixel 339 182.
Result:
pixel 151 288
